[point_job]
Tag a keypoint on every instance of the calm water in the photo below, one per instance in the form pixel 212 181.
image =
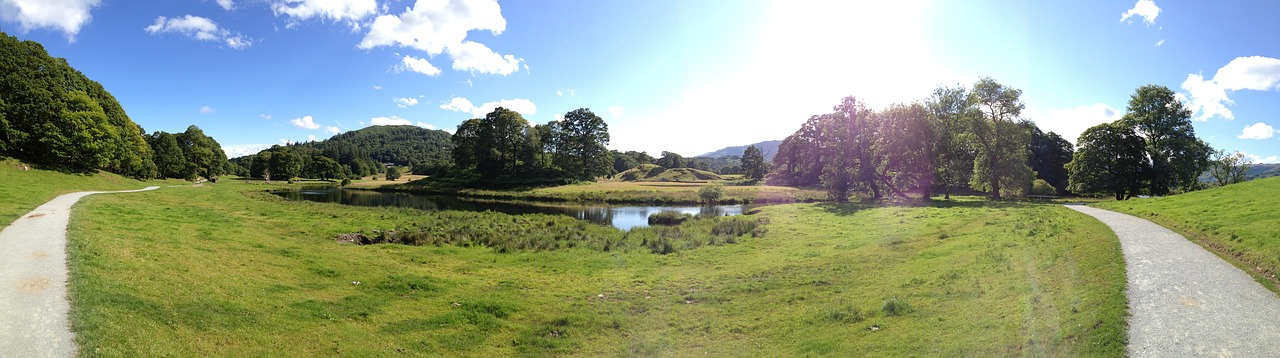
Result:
pixel 622 217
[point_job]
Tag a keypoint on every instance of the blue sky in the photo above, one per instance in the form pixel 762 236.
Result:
pixel 682 76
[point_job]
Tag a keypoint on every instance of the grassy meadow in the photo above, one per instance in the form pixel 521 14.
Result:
pixel 1237 221
pixel 641 192
pixel 229 270
pixel 23 190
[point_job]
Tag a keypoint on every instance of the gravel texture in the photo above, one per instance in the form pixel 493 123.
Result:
pixel 33 281
pixel 1186 302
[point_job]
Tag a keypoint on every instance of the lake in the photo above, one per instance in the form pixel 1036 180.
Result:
pixel 623 217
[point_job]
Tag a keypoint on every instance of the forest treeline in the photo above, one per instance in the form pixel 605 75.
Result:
pixel 975 138
pixel 353 155
pixel 54 116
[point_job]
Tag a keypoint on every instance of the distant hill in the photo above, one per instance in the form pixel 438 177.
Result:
pixel 770 148
pixel 1257 171
pixel 650 172
pixel 365 151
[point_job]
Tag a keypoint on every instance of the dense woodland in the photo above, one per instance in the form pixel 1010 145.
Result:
pixel 353 154
pixel 54 116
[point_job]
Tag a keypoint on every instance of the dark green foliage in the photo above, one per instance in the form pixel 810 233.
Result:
pixel 361 153
pixel 710 194
pixel 284 164
pixel 324 168
pixel 501 150
pixel 52 115
pixel 1042 187
pixel 168 156
pixel 950 114
pixel 753 165
pixel 393 173
pixel 895 306
pixel 1001 140
pixel 1176 155
pixel 670 160
pixel 580 142
pixel 1050 154
pixel 669 218
pixel 204 155
pixel 1110 159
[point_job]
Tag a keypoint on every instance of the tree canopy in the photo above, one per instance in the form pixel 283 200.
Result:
pixel 1111 158
pixel 1176 156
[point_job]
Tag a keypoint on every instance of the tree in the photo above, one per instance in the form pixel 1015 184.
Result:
pixel 1050 154
pixel 950 113
pixel 710 193
pixel 393 173
pixel 1229 168
pixel 670 160
pixel 167 155
pixel 1176 155
pixel 1111 158
pixel 622 162
pixel 204 155
pixel 753 165
pixel 80 140
pixel 581 141
pixel 323 168
pixel 1001 163
pixel 284 164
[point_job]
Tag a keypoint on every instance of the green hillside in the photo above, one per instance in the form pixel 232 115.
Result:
pixel 1238 222
pixel 363 152
pixel 651 172
pixel 25 188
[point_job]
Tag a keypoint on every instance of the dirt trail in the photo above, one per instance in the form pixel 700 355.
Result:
pixel 1185 301
pixel 33 281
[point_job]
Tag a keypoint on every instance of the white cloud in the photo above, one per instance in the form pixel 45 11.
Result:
pixel 265 116
pixel 405 102
pixel 1260 159
pixel 332 130
pixel 616 111
pixel 1160 43
pixel 558 93
pixel 1257 131
pixel 69 16
pixel 311 138
pixel 199 28
pixel 377 88
pixel 240 150
pixel 558 117
pixel 389 121
pixel 437 27
pixel 349 10
pixel 1208 98
pixel 419 65
pixel 425 125
pixel 458 104
pixel 476 57
pixel 227 4
pixel 1147 9
pixel 1071 122
pixel 306 122
pixel 206 110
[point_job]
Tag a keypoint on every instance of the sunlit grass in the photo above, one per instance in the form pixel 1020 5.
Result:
pixel 221 271
pixel 23 190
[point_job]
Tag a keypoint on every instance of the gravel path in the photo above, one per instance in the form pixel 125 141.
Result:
pixel 33 281
pixel 1185 301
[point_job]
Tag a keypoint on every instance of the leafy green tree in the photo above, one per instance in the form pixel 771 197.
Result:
pixel 284 164
pixel 1050 154
pixel 951 113
pixel 622 162
pixel 581 141
pixel 1176 155
pixel 323 168
pixel 1229 168
pixel 753 165
pixel 903 157
pixel 393 173
pixel 167 155
pixel 1001 161
pixel 260 165
pixel 711 193
pixel 670 160
pixel 1111 158
pixel 204 155
pixel 80 139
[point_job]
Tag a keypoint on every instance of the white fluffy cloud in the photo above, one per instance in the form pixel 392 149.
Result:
pixel 240 150
pixel 405 102
pixel 332 130
pixel 1261 159
pixel 227 4
pixel 616 111
pixel 199 28
pixel 389 121
pixel 419 65
pixel 65 15
pixel 206 110
pixel 437 27
pixel 306 122
pixel 1147 9
pixel 339 10
pixel 1257 131
pixel 458 104
pixel 1071 122
pixel 1208 98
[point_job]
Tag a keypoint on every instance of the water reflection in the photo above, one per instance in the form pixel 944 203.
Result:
pixel 622 217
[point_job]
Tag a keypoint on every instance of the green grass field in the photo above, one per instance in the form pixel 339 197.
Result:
pixel 1239 222
pixel 23 190
pixel 643 192
pixel 227 270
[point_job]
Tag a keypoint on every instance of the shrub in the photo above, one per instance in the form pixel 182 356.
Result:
pixel 895 306
pixel 1041 187
pixel 711 193
pixel 668 218
pixel 345 182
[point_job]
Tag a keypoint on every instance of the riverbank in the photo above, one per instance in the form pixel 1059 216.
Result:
pixel 229 270
pixel 612 192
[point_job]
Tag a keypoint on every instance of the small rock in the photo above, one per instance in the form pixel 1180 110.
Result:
pixel 455 304
pixel 355 283
pixel 875 328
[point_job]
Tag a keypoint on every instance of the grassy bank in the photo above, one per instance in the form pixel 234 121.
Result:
pixel 24 190
pixel 226 270
pixel 1239 222
pixel 632 192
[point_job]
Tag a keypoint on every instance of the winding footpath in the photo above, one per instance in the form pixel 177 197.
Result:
pixel 1186 302
pixel 33 281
